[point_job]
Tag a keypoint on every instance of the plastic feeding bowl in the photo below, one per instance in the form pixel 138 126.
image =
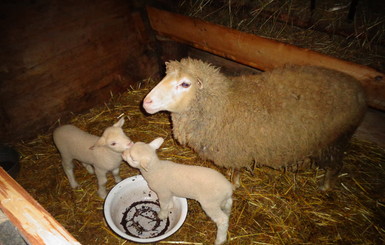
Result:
pixel 130 210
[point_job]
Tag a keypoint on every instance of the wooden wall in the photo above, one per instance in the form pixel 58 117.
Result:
pixel 63 57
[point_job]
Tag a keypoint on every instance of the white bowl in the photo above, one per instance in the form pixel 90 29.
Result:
pixel 130 210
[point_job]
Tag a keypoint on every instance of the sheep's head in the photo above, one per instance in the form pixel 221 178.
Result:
pixel 174 93
pixel 114 138
pixel 141 154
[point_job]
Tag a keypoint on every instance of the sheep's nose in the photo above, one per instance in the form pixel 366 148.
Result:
pixel 147 101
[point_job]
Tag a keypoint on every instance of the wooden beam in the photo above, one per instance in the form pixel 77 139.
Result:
pixel 258 52
pixel 34 223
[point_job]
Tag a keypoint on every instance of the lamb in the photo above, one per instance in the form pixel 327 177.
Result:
pixel 168 179
pixel 98 155
pixel 284 118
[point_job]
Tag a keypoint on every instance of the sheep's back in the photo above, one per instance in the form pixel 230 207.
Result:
pixel 308 109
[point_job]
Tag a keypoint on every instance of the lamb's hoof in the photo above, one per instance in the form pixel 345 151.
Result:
pixel 90 169
pixel 102 194
pixel 219 242
pixel 118 179
pixel 74 185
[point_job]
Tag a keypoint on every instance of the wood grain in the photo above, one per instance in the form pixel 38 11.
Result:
pixel 60 58
pixel 34 223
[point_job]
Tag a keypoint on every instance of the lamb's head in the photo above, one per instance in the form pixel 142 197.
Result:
pixel 140 155
pixel 114 138
pixel 175 92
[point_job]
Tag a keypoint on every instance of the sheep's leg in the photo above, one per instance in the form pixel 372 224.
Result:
pixel 236 178
pixel 220 218
pixel 102 180
pixel 332 160
pixel 331 176
pixel 166 203
pixel 89 168
pixel 68 167
pixel 333 168
pixel 115 173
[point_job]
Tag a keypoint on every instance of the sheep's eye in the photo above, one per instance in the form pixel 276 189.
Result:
pixel 185 84
pixel 113 143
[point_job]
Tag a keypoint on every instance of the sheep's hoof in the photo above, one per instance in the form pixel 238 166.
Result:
pixel 324 187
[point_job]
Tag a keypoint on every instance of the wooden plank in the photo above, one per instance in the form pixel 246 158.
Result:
pixel 34 223
pixel 259 52
pixel 59 59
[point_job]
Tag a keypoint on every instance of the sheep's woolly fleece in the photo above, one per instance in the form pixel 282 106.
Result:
pixel 274 119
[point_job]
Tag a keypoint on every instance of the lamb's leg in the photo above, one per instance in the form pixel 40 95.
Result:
pixel 226 206
pixel 89 168
pixel 102 180
pixel 220 218
pixel 68 167
pixel 115 173
pixel 166 203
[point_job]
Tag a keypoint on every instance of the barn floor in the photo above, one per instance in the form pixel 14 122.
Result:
pixel 271 207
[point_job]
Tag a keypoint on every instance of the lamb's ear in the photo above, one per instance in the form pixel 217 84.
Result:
pixel 144 163
pixel 100 142
pixel 119 123
pixel 156 143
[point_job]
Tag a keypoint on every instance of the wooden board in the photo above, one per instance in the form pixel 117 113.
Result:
pixel 34 223
pixel 59 59
pixel 259 52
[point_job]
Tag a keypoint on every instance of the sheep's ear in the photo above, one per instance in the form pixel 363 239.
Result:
pixel 156 143
pixel 100 142
pixel 199 82
pixel 119 123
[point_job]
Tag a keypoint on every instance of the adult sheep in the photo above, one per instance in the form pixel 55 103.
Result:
pixel 280 118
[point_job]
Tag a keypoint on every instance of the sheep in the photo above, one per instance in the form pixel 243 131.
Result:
pixel 168 179
pixel 98 155
pixel 284 119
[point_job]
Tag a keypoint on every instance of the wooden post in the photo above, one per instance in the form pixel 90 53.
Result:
pixel 258 52
pixel 34 223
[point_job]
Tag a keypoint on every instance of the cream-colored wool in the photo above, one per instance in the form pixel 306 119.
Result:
pixel 98 155
pixel 280 118
pixel 168 179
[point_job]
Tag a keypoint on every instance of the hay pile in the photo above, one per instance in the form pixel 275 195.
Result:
pixel 326 29
pixel 270 207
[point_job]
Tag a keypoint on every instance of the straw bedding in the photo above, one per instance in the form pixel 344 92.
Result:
pixel 270 207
